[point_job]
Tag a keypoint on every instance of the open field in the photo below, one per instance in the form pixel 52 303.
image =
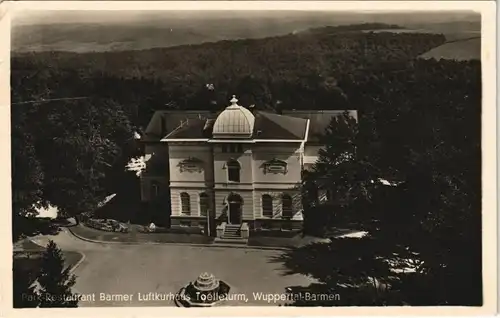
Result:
pixel 468 49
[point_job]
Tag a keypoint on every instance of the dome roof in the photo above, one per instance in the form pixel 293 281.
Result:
pixel 234 121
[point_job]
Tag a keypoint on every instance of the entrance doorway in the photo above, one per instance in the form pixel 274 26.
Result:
pixel 235 203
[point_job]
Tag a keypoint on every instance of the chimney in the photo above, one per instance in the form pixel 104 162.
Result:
pixel 207 129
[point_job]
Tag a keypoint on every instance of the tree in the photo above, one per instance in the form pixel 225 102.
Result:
pixel 63 149
pixel 343 171
pixel 27 173
pixel 428 119
pixel 87 136
pixel 55 280
pixel 24 294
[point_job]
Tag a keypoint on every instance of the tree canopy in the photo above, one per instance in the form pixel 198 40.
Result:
pixel 426 215
pixel 299 71
pixel 62 150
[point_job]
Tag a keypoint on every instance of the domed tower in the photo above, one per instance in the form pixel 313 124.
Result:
pixel 234 122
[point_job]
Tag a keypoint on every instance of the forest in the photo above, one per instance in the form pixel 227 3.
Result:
pixel 419 123
pixel 295 71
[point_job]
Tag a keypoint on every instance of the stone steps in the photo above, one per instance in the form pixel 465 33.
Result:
pixel 232 235
pixel 232 231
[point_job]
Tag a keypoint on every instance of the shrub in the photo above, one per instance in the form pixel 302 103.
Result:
pixel 107 225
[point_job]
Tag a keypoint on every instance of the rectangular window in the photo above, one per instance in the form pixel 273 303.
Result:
pixel 185 204
pixel 203 204
pixel 232 148
pixel 286 206
pixel 267 206
pixel 233 174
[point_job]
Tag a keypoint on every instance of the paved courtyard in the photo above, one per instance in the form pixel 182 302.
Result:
pixel 127 274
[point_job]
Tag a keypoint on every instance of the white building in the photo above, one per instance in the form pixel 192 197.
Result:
pixel 238 170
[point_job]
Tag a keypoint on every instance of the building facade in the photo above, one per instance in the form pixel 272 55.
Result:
pixel 238 170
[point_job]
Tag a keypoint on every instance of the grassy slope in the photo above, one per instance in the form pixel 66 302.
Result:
pixel 460 50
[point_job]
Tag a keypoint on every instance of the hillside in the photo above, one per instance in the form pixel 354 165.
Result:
pixel 117 31
pixel 324 51
pixel 154 31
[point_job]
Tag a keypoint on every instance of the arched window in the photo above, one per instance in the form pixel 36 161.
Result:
pixel 155 189
pixel 185 204
pixel 267 206
pixel 233 171
pixel 203 204
pixel 286 206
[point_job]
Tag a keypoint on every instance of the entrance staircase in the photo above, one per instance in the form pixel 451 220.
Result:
pixel 232 234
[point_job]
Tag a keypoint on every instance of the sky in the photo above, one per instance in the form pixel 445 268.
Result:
pixel 112 17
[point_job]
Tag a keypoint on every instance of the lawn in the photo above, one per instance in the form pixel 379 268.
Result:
pixel 134 237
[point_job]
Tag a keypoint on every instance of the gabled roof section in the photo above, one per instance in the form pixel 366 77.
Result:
pixel 319 120
pixel 163 122
pixel 191 129
pixel 275 126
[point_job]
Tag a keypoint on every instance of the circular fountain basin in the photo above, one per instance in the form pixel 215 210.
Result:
pixel 205 291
